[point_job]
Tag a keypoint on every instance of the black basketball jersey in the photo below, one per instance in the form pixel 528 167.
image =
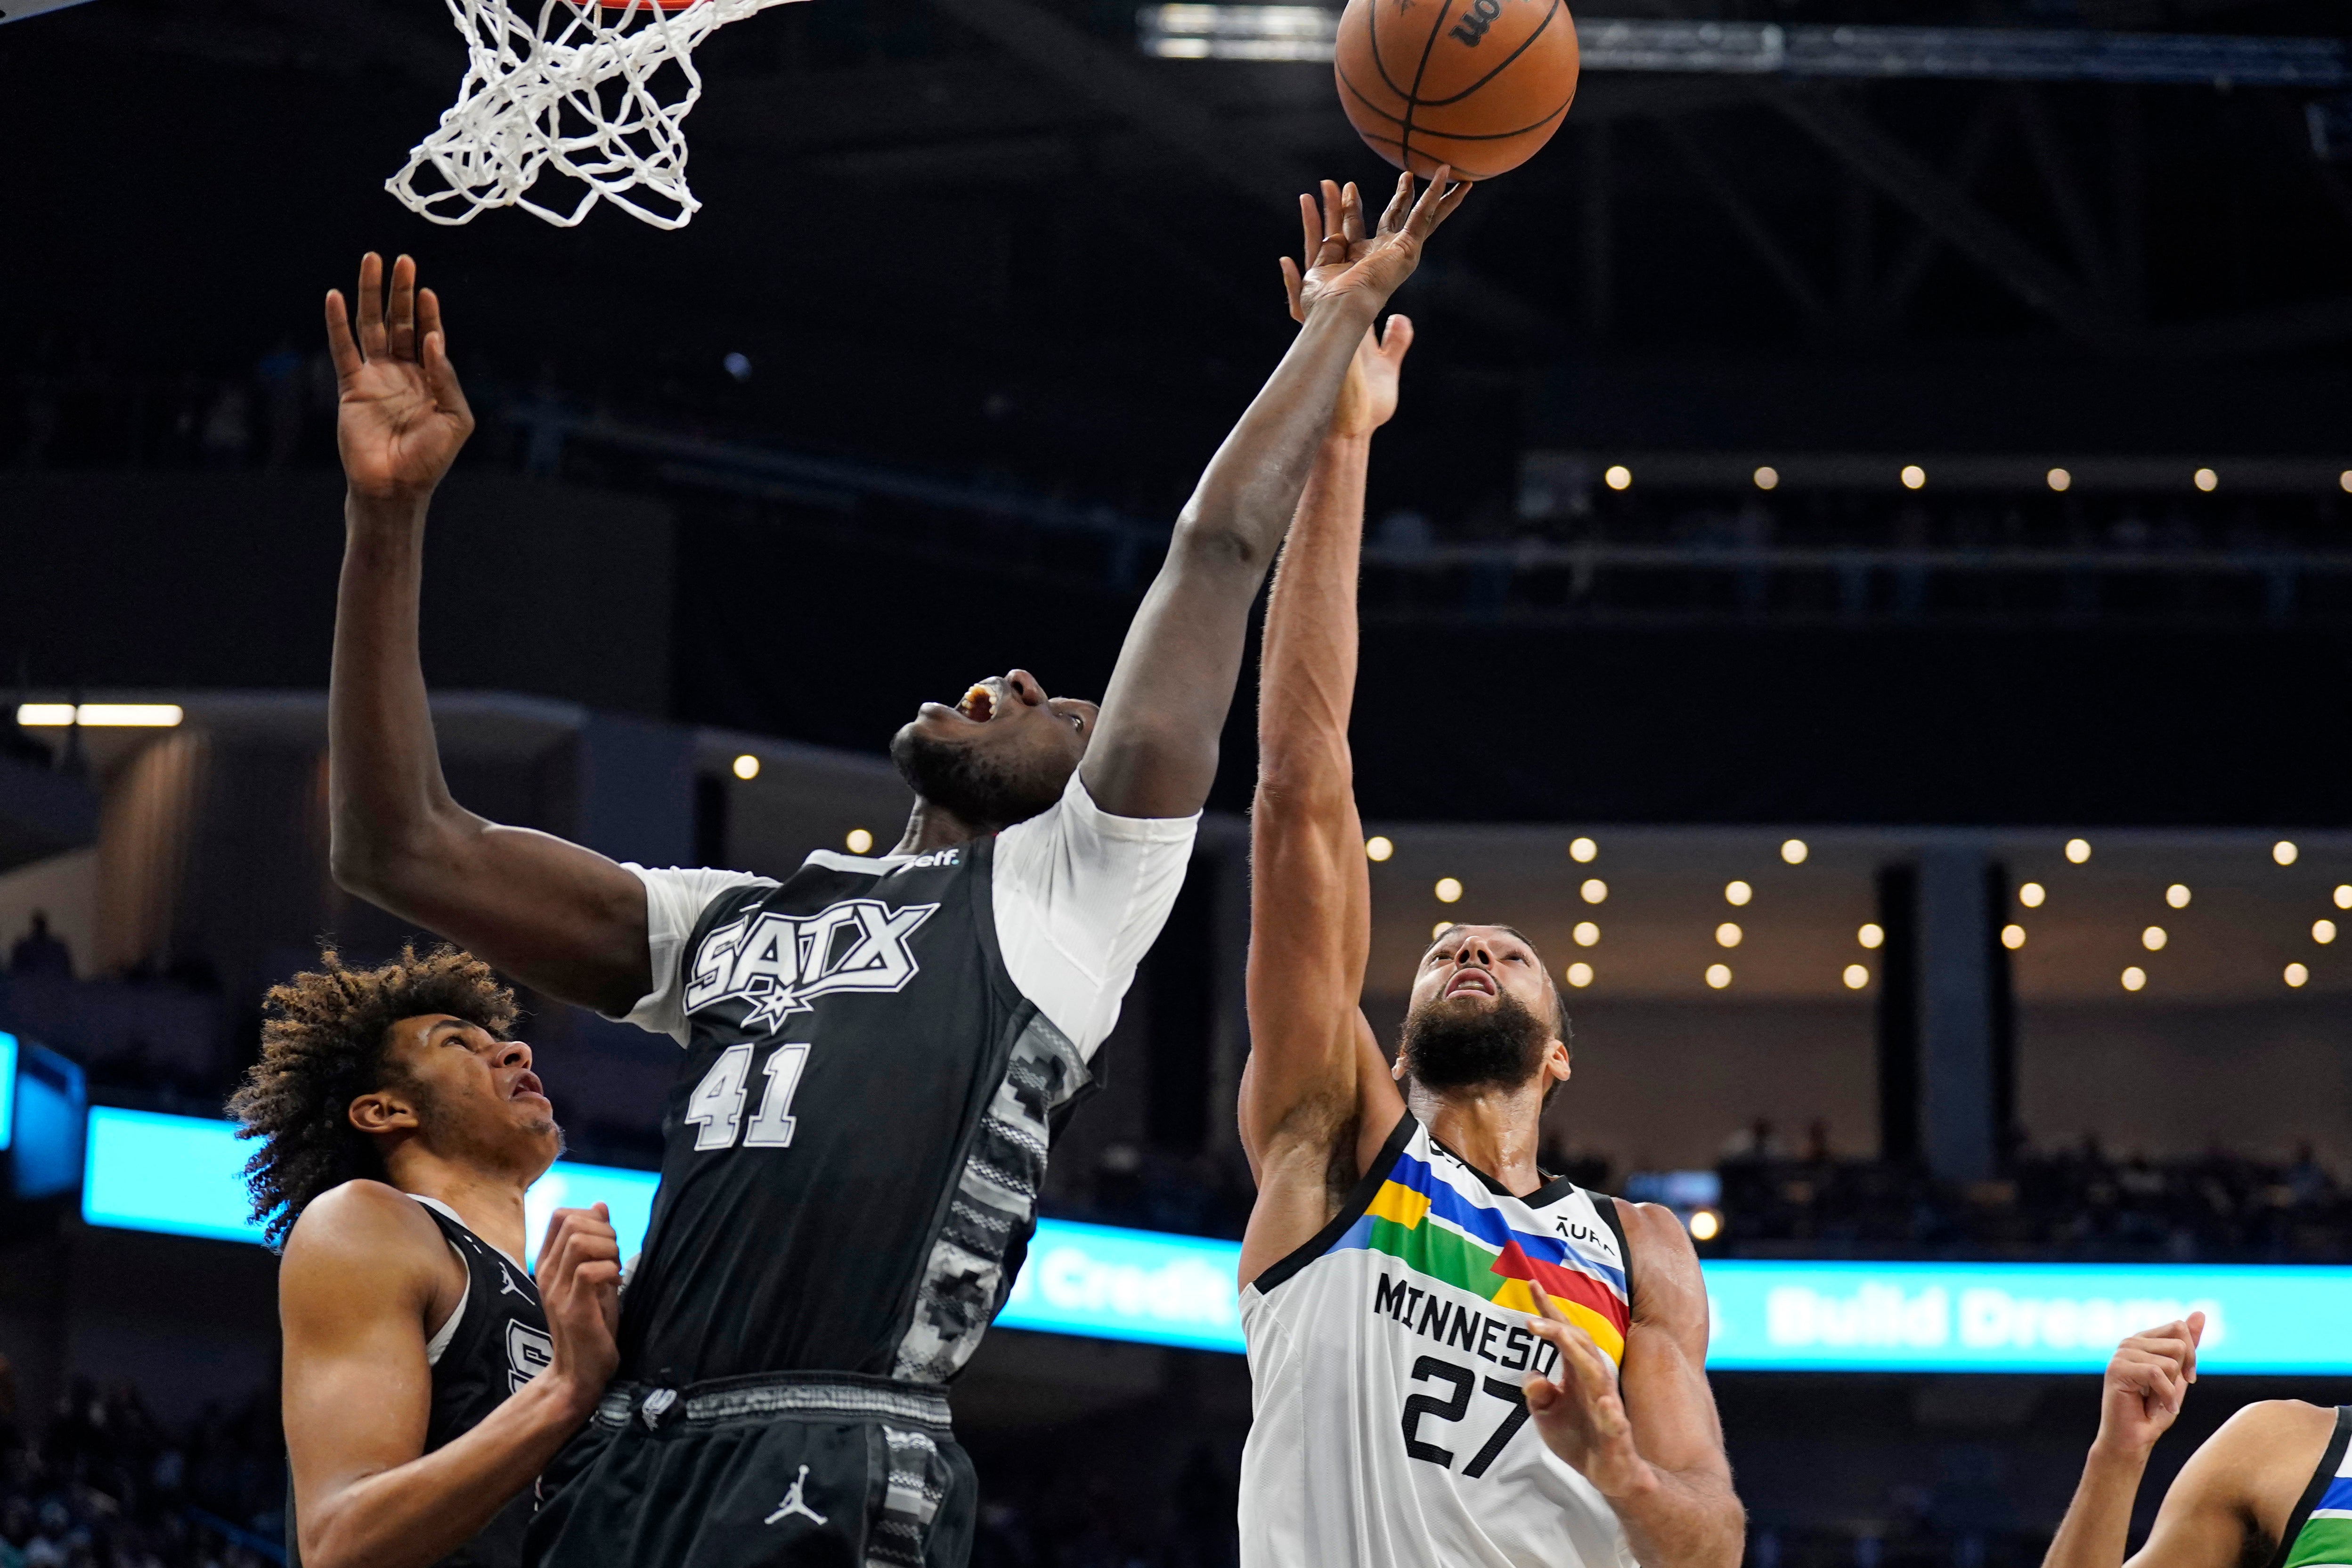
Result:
pixel 853 1150
pixel 498 1343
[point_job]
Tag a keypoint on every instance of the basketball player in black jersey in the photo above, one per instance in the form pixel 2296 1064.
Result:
pixel 877 1050
pixel 426 1382
pixel 2272 1489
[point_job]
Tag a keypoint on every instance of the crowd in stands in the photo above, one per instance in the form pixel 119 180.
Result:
pixel 102 1484
pixel 2079 1203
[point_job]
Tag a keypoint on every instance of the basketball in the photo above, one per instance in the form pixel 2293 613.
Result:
pixel 1479 84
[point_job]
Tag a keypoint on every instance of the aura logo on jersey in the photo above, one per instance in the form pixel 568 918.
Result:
pixel 781 963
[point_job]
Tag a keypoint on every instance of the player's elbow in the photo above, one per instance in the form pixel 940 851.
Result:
pixel 1217 541
pixel 1302 789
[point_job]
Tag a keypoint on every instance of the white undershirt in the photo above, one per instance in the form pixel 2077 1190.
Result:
pixel 1079 896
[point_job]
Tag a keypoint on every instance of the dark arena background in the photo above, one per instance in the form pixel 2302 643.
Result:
pixel 1861 575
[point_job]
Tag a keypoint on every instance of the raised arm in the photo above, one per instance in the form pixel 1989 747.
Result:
pixel 1154 751
pixel 2230 1502
pixel 1312 1057
pixel 564 920
pixel 354 1292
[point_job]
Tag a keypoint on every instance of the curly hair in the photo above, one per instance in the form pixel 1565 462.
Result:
pixel 322 1045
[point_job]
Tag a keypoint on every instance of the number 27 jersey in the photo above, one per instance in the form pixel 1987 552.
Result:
pixel 1386 1357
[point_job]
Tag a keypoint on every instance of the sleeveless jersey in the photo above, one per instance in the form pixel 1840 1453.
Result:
pixel 853 1150
pixel 495 1341
pixel 1387 1356
pixel 2319 1531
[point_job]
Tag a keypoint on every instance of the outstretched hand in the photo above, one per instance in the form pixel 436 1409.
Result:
pixel 579 1276
pixel 2145 1383
pixel 1339 259
pixel 1582 1415
pixel 401 416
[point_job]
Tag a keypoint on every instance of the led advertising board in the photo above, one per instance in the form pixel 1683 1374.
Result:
pixel 7 1087
pixel 182 1175
pixel 179 1174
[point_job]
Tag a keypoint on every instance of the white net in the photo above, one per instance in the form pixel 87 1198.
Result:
pixel 600 96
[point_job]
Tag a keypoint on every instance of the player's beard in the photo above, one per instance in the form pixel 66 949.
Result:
pixel 1445 1049
pixel 978 787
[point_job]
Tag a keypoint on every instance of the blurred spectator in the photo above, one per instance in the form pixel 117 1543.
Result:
pixel 280 372
pixel 1756 1141
pixel 229 428
pixel 39 952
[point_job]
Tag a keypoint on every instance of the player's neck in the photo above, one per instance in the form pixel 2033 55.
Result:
pixel 1495 1130
pixel 934 827
pixel 489 1203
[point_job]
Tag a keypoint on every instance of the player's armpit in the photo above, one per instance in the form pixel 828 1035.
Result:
pixel 2237 1491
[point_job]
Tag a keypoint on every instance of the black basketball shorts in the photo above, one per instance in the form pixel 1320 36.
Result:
pixel 792 1470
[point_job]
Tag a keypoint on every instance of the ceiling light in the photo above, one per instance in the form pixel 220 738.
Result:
pixel 1586 934
pixel 1579 975
pixel 2078 850
pixel 2296 974
pixel 2176 895
pixel 100 715
pixel 1913 476
pixel 2012 938
pixel 2031 895
pixel 1794 851
pixel 1857 977
pixel 1449 889
pixel 2059 479
pixel 2345 479
pixel 2323 930
pixel 2135 978
pixel 2283 852
pixel 2206 479
pixel 859 841
pixel 747 767
pixel 1767 478
pixel 1440 929
pixel 1728 934
pixel 1706 1225
pixel 1738 893
pixel 1378 848
pixel 1594 890
pixel 2153 938
pixel 1618 476
pixel 2344 895
pixel 1581 850
pixel 1871 936
pixel 1719 975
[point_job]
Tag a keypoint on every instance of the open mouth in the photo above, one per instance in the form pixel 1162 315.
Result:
pixel 1471 982
pixel 979 704
pixel 526 1083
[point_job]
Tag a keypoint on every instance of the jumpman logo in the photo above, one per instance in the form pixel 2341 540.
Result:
pixel 792 1503
pixel 509 1288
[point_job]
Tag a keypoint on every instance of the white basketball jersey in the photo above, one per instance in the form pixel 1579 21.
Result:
pixel 1386 1357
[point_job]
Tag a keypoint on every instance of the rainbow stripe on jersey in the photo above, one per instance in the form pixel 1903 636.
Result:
pixel 1442 1233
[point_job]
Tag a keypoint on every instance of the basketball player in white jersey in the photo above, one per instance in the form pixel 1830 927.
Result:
pixel 1414 1287
pixel 2272 1489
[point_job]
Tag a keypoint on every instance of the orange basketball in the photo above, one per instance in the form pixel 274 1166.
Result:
pixel 1479 84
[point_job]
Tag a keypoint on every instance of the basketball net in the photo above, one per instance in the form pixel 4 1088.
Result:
pixel 576 95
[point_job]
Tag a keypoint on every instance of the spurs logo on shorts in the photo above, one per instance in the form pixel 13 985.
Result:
pixel 781 962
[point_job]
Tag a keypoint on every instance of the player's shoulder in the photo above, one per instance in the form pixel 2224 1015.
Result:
pixel 1660 1265
pixel 364 1224
pixel 2268 1430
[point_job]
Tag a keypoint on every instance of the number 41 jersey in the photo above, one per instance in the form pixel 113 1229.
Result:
pixel 1386 1357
